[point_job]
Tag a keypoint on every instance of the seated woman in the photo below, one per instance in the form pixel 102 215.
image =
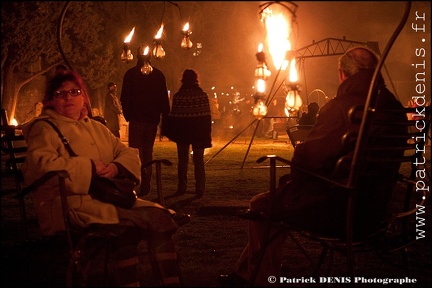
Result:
pixel 66 104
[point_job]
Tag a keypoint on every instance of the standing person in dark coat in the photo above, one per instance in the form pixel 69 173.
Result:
pixel 189 124
pixel 112 110
pixel 309 202
pixel 144 99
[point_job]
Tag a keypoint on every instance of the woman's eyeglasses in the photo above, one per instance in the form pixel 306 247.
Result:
pixel 64 94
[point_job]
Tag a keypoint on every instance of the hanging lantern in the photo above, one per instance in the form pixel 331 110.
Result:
pixel 127 55
pixel 261 71
pixel 293 100
pixel 145 55
pixel 158 51
pixel 186 43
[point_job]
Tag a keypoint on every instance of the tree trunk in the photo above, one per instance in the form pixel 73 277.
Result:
pixel 12 86
pixel 8 89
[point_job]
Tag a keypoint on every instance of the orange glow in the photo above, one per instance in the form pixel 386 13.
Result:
pixel 259 110
pixel 278 32
pixel 293 76
pixel 293 100
pixel 129 37
pixel 159 33
pixel 260 47
pixel 186 27
pixel 13 122
pixel 261 86
pixel 146 50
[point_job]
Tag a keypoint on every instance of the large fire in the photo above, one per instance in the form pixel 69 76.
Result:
pixel 278 28
pixel 278 32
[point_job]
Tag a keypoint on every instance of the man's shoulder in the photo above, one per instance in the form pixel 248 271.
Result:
pixel 132 70
pixel 157 69
pixel 158 72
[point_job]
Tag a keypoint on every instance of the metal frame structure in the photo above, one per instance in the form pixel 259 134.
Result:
pixel 325 47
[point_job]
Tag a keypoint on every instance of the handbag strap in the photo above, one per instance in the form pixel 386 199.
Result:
pixel 63 138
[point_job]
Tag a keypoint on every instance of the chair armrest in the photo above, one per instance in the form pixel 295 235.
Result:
pixel 402 178
pixel 42 180
pixel 304 170
pixel 163 161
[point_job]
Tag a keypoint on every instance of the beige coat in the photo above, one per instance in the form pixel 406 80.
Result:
pixel 90 140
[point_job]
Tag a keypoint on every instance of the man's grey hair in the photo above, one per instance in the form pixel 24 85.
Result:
pixel 356 59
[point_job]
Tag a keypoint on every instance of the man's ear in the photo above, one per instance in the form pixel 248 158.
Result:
pixel 341 75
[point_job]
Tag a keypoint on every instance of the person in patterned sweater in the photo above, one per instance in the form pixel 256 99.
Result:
pixel 189 124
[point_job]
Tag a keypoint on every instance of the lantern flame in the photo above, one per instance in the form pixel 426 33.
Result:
pixel 293 76
pixel 259 110
pixel 14 122
pixel 129 37
pixel 293 100
pixel 146 50
pixel 261 86
pixel 260 47
pixel 186 27
pixel 159 33
pixel 186 43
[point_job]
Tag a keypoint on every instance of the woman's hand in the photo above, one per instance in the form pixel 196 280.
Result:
pixel 103 170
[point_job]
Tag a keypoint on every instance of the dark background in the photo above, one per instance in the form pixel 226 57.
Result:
pixel 225 35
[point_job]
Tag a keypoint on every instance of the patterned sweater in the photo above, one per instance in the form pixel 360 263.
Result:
pixel 190 118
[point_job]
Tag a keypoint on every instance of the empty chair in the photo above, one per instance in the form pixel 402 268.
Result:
pixel 298 133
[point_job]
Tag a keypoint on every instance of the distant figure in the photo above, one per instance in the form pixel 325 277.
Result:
pixel 310 117
pixel 270 120
pixel 216 115
pixel 144 99
pixel 112 110
pixel 35 112
pixel 189 124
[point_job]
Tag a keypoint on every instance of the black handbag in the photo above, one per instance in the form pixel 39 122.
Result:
pixel 117 191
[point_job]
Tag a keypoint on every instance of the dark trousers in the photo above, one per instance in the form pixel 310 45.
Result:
pixel 142 136
pixel 183 163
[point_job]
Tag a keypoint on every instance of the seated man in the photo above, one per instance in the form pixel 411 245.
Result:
pixel 310 117
pixel 309 202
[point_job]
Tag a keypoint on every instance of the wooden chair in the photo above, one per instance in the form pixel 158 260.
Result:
pixel 158 163
pixel 298 133
pixel 14 147
pixel 4 118
pixel 84 244
pixel 400 148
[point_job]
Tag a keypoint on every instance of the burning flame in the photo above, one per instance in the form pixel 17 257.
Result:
pixel 146 50
pixel 293 99
pixel 261 85
pixel 13 122
pixel 293 76
pixel 129 37
pixel 278 32
pixel 159 33
pixel 259 110
pixel 186 27
pixel 260 47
